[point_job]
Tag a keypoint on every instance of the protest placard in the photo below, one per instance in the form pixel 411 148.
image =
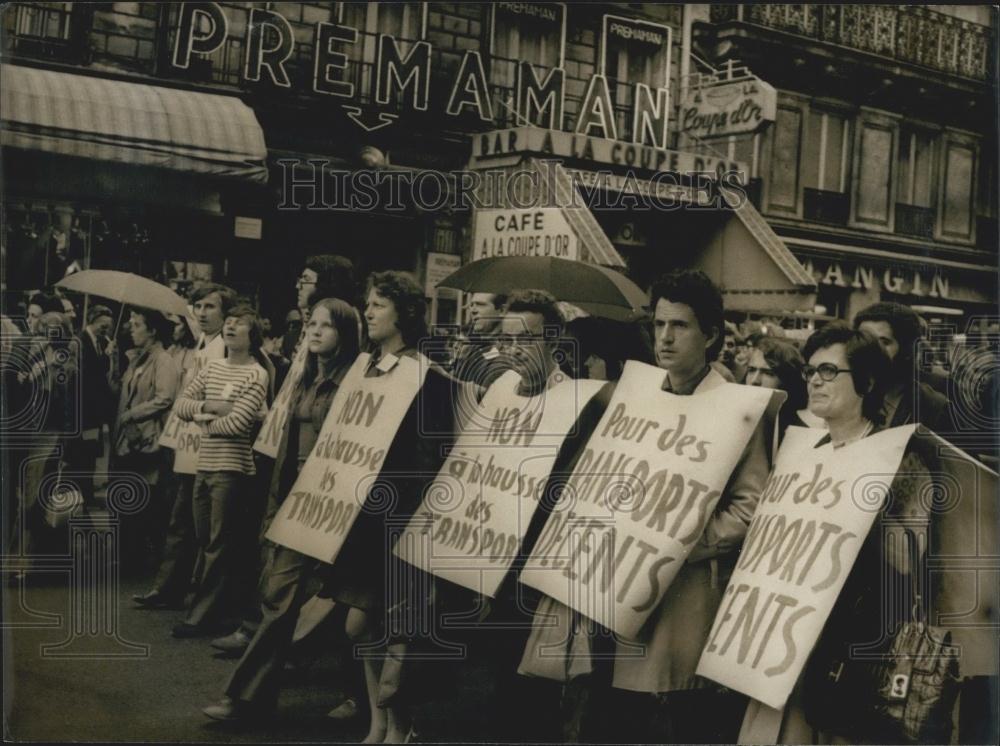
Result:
pixel 640 496
pixel 345 462
pixel 494 479
pixel 185 437
pixel 815 511
pixel 269 439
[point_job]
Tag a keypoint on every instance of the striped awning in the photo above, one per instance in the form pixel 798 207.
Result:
pixel 133 123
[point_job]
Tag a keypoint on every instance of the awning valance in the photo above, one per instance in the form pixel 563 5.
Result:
pixel 133 123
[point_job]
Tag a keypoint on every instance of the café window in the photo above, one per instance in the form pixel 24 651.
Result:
pixel 915 187
pixel 528 32
pixel 47 30
pixel 825 162
pixel 633 51
pixel 405 22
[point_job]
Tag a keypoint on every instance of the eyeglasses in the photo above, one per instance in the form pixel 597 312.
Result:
pixel 827 371
pixel 751 371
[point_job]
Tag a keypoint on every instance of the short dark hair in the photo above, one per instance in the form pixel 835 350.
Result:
pixel 695 289
pixel 227 295
pixel 530 300
pixel 157 323
pixel 334 278
pixel 98 311
pixel 904 321
pixel 865 357
pixel 48 302
pixel 407 298
pixel 786 361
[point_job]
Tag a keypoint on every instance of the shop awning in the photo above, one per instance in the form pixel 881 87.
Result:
pixel 132 123
pixel 597 247
pixel 752 265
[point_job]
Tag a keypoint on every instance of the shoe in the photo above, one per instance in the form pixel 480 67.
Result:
pixel 229 710
pixel 184 630
pixel 156 600
pixel 234 644
pixel 346 710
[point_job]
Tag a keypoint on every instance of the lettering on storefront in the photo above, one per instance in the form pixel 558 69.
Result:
pixel 861 277
pixel 599 149
pixel 270 41
pixel 542 232
pixel 733 108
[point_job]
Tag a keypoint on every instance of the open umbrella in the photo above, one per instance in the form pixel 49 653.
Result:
pixel 126 288
pixel 597 290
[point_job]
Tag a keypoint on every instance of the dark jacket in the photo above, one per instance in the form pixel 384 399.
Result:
pixel 96 400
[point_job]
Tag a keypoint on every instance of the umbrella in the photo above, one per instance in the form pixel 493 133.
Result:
pixel 597 290
pixel 126 288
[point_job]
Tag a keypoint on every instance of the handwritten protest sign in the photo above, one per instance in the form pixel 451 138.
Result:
pixel 496 474
pixel 641 495
pixel 185 437
pixel 269 440
pixel 351 447
pixel 815 511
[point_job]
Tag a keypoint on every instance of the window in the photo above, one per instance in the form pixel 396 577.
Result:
pixel 633 51
pixel 916 169
pixel 405 22
pixel 824 177
pixel 915 193
pixel 826 152
pixel 43 20
pixel 528 32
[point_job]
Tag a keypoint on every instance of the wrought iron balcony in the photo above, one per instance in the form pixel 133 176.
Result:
pixel 910 34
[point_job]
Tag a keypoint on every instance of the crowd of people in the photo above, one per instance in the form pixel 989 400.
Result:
pixel 202 537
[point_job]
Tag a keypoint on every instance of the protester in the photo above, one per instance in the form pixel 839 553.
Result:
pixel 173 581
pixel 149 387
pixel 845 373
pixel 226 397
pixel 96 399
pixel 332 341
pixel 293 331
pixel 776 364
pixel 181 348
pixel 39 304
pixel 899 330
pixel 50 380
pixel 688 331
pixel 476 353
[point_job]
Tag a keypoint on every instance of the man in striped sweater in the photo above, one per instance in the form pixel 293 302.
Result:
pixel 226 398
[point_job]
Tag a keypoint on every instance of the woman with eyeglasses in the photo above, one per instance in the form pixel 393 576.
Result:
pixel 844 376
pixel 777 364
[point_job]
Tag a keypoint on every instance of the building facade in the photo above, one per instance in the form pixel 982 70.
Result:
pixel 880 170
pixel 878 190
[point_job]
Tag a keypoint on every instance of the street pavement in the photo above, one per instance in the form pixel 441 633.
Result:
pixel 82 663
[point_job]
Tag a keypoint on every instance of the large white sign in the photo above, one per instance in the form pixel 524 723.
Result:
pixel 531 232
pixel 333 485
pixel 815 511
pixel 269 439
pixel 640 496
pixel 493 480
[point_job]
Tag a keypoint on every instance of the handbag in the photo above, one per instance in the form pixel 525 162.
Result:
pixel 905 695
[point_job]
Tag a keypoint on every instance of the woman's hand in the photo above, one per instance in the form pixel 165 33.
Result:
pixel 220 408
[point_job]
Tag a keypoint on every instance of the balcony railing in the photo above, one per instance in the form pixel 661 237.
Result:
pixel 915 221
pixel 823 206
pixel 911 34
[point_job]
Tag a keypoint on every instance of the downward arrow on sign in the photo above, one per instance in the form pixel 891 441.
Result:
pixel 382 119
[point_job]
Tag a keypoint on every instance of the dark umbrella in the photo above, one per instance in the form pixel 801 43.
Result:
pixel 597 290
